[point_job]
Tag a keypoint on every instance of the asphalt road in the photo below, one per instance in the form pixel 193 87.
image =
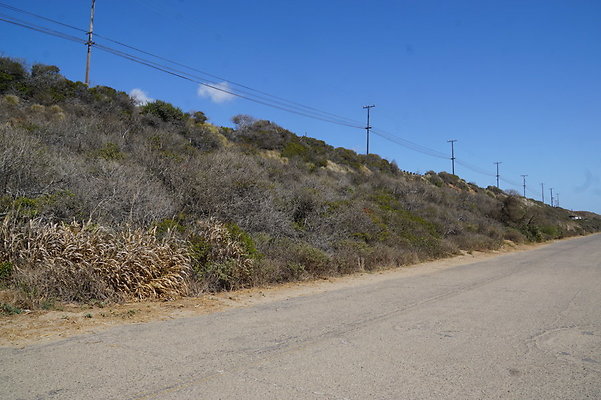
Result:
pixel 519 326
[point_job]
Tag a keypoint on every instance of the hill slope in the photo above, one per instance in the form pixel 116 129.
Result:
pixel 103 199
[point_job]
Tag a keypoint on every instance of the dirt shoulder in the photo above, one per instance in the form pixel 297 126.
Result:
pixel 72 319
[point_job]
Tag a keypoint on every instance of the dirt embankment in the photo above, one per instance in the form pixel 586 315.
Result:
pixel 66 320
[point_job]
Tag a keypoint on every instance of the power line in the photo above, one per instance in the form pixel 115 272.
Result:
pixel 282 101
pixel 282 105
pixel 278 103
pixel 214 86
pixel 41 29
pixel 166 69
pixel 408 144
pixel 12 8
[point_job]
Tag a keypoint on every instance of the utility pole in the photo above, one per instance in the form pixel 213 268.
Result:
pixel 524 180
pixel 551 189
pixel 368 127
pixel 542 190
pixel 452 141
pixel 498 162
pixel 90 43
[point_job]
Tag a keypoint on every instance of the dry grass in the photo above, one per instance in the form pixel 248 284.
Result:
pixel 83 261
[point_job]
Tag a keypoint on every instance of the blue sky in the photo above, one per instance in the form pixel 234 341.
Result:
pixel 513 81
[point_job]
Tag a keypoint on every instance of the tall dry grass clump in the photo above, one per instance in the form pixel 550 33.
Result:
pixel 83 262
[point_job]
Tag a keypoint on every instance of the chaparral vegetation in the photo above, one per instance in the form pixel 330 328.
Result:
pixel 104 200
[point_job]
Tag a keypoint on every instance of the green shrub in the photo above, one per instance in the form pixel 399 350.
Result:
pixel 448 178
pixel 41 70
pixel 532 232
pixel 6 269
pixel 221 260
pixel 245 239
pixel 12 73
pixel 553 232
pixel 434 179
pixel 167 225
pixel 110 151
pixel 314 261
pixel 199 117
pixel 9 309
pixel 294 149
pixel 165 111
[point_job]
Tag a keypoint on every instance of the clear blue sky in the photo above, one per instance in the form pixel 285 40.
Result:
pixel 513 81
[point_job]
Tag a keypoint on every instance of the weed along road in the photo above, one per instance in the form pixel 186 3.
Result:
pixel 524 325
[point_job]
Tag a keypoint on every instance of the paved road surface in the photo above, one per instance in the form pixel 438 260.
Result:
pixel 519 326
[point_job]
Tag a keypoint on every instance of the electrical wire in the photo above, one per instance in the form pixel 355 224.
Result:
pixel 282 101
pixel 40 29
pixel 408 144
pixel 12 8
pixel 170 71
pixel 279 102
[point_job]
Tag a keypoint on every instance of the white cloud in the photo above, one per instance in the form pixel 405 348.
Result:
pixel 217 93
pixel 140 97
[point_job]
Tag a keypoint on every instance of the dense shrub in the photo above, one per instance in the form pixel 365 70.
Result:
pixel 165 111
pixel 222 256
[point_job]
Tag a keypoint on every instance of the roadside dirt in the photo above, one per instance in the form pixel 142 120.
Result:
pixel 72 319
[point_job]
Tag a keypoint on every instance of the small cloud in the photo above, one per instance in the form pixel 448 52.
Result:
pixel 140 97
pixel 217 92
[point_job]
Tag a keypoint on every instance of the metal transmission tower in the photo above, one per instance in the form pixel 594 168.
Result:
pixel 90 43
pixel 368 127
pixel 497 162
pixel 452 141
pixel 542 190
pixel 556 199
pixel 524 180
pixel 551 189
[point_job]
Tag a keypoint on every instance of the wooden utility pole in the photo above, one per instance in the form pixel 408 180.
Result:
pixel 497 162
pixel 90 43
pixel 452 141
pixel 368 127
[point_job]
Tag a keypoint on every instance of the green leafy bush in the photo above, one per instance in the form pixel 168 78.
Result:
pixel 164 111
pixel 9 309
pixel 6 269
pixel 110 151
pixel 220 258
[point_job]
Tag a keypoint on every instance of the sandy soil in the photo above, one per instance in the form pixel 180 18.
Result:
pixel 73 319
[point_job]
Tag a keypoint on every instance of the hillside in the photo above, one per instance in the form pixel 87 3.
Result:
pixel 103 200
